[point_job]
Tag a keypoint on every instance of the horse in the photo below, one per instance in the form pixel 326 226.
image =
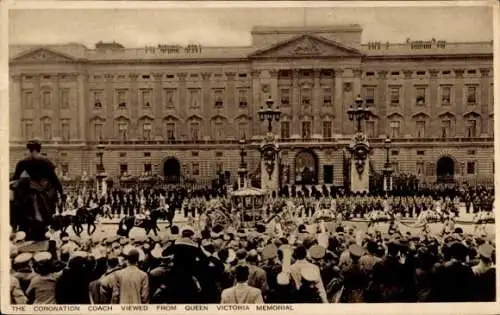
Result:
pixel 149 223
pixel 62 221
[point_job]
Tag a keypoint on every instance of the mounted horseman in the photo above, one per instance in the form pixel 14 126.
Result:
pixel 149 222
pixel 36 188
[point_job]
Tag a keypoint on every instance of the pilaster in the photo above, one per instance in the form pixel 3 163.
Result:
pixel 485 88
pixel 82 106
pixel 295 124
pixel 158 104
pixel 340 113
pixel 133 104
pixel 208 106
pixel 256 102
pixel 459 100
pixel 434 103
pixel 408 99
pixel 381 102
pixel 317 103
pixel 181 104
pixel 15 109
pixel 110 104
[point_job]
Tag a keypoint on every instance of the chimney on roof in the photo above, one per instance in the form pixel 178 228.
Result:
pixel 108 46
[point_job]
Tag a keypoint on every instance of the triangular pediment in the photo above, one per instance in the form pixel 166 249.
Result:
pixel 307 46
pixel 42 55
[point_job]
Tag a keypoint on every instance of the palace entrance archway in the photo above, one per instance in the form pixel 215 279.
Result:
pixel 306 168
pixel 172 170
pixel 445 170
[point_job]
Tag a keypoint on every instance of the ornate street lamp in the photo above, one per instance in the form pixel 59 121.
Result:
pixel 100 153
pixel 242 170
pixel 269 114
pixel 387 171
pixel 387 145
pixel 101 174
pixel 360 112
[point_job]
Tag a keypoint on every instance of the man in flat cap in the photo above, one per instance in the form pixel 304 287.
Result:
pixel 35 186
pixel 42 288
pixel 355 280
pixel 300 255
pixel 454 280
pixel 389 277
pixel 189 274
pixel 485 274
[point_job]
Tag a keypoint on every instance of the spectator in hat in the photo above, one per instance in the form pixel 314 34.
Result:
pixel 72 286
pixel 257 276
pixel 355 277
pixel 185 283
pixel 369 259
pixel 272 268
pixel 42 288
pixel 17 295
pixel 454 280
pixel 102 288
pixel 301 263
pixel 22 270
pixel 241 293
pixel 485 275
pixel 308 291
pixel 388 277
pixel 130 285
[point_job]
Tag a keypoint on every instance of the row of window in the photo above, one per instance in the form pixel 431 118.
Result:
pixel 47 99
pixel 46 129
pixel 170 130
pixel 421 92
pixel 170 97
pixel 395 131
pixel 447 125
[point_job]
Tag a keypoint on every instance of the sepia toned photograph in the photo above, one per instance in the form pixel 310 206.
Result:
pixel 277 155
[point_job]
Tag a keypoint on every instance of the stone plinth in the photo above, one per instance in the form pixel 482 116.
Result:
pixel 269 164
pixel 360 164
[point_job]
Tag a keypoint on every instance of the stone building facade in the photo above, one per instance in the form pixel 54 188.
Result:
pixel 181 111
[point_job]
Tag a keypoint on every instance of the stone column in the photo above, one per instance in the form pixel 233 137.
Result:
pixel 256 103
pixel 317 103
pixel 57 110
pixel 182 107
pixel 208 106
pixel 15 109
pixel 82 107
pixel 339 109
pixel 459 100
pixel 381 102
pixel 109 93
pixel 134 130
pixel 230 106
pixel 274 85
pixel 357 82
pixel 434 103
pixel 485 89
pixel 296 106
pixel 408 100
pixel 158 104
pixel 37 106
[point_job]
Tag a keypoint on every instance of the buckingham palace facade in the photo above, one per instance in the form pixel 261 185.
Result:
pixel 182 110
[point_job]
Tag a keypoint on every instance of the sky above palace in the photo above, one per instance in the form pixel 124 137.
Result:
pixel 232 26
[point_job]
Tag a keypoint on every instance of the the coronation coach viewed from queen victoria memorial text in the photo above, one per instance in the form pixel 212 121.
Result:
pixel 234 158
